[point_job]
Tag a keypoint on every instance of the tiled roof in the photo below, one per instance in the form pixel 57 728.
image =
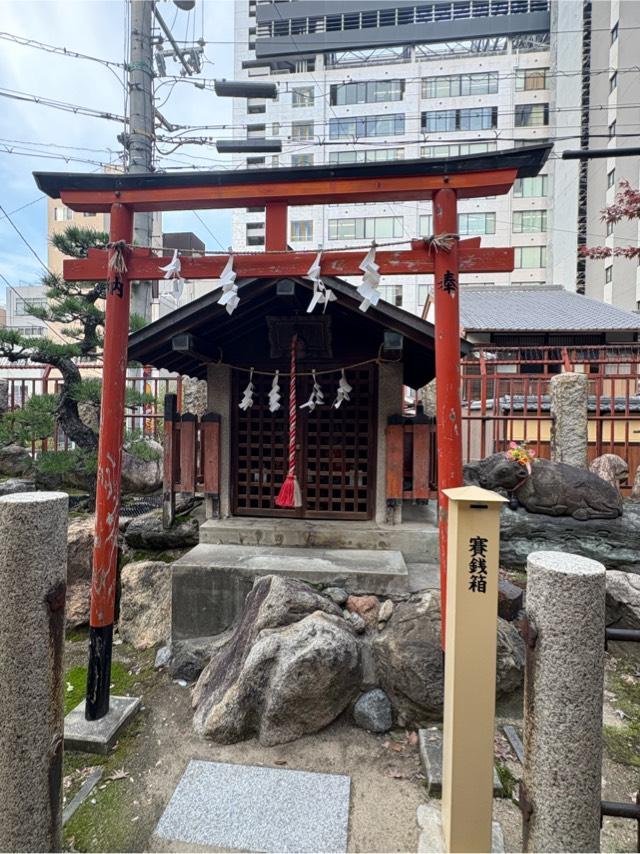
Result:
pixel 533 308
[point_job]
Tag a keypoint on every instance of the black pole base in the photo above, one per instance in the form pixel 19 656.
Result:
pixel 98 672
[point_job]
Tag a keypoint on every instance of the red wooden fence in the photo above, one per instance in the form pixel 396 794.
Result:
pixel 191 458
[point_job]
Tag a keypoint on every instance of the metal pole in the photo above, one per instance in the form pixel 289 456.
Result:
pixel 105 549
pixel 448 415
pixel 141 130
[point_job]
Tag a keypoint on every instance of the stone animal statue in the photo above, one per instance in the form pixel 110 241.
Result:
pixel 610 467
pixel 555 489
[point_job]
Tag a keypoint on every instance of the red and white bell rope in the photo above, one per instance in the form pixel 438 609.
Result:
pixel 290 494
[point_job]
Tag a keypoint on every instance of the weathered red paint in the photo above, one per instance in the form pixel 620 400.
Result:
pixel 275 225
pixel 308 192
pixel 417 260
pixel 447 334
pixel 105 549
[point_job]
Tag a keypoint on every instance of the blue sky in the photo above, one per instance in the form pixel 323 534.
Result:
pixel 94 27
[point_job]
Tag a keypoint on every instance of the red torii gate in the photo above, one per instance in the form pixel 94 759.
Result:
pixel 442 181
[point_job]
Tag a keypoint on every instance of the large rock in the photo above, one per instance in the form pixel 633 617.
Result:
pixel 613 542
pixel 409 662
pixel 611 468
pixel 291 666
pixel 373 711
pixel 554 489
pixel 77 604
pixel 140 477
pixel 145 603
pixel 15 461
pixel 623 600
pixel 146 532
pixel 635 489
pixel 80 548
pixel 16 484
pixel 408 659
pixel 296 680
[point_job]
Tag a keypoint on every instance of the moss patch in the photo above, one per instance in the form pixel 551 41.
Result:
pixel 622 743
pixel 507 780
pixel 116 822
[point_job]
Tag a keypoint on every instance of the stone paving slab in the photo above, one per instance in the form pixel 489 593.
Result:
pixel 98 736
pixel 250 808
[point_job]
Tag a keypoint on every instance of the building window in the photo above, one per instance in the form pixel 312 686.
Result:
pixel 255 162
pixel 302 130
pixel 302 229
pixel 469 47
pixel 89 213
pixel 531 188
pixel 368 57
pixel 611 178
pixel 302 96
pixel 392 294
pixel 529 221
pixel 302 159
pixel 612 129
pixel 255 233
pixel 610 227
pixel 456 149
pixel 608 274
pixel 476 118
pixel 372 155
pixel 368 92
pixel 255 210
pixel 23 305
pixel 614 33
pixel 476 223
pixel 256 131
pixel 613 81
pixel 62 213
pixel 365 228
pixel 530 79
pixel 423 293
pixel 357 126
pixel 529 257
pixel 426 225
pixel 455 85
pixel 532 115
pixel 275 128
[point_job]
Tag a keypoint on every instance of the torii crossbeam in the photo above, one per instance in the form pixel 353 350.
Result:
pixel 122 195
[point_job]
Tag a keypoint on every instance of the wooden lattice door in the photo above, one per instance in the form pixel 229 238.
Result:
pixel 336 449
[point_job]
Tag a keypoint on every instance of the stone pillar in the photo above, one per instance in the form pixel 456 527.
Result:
pixel 563 702
pixel 194 396
pixel 33 571
pixel 569 419
pixel 219 400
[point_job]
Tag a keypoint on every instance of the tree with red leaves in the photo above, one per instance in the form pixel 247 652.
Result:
pixel 625 206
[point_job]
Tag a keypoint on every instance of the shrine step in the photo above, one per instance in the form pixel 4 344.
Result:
pixel 418 541
pixel 210 583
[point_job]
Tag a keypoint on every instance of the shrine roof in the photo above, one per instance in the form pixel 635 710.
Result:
pixel 142 190
pixel 242 338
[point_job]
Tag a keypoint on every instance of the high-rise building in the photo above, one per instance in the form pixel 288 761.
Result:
pixel 614 121
pixel 369 80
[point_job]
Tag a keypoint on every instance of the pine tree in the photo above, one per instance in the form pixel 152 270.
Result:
pixel 79 308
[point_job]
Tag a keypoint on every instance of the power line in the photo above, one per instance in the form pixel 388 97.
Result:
pixel 61 51
pixel 197 215
pixel 25 241
pixel 60 105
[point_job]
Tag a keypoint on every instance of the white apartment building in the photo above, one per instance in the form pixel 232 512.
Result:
pixel 366 80
pixel 614 122
pixel 20 298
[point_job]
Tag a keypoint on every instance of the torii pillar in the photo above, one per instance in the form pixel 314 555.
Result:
pixel 447 329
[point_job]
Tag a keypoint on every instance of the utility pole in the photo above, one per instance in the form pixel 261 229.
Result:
pixel 141 130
